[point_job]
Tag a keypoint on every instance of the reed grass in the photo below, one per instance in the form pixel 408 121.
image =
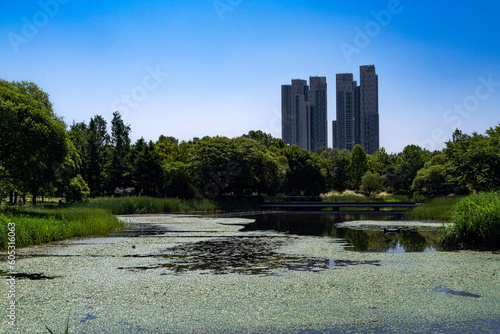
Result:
pixel 475 223
pixel 35 226
pixel 139 205
pixel 439 209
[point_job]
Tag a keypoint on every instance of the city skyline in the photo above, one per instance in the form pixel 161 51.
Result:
pixel 191 69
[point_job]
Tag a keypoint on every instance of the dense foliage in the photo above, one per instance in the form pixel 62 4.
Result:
pixel 475 222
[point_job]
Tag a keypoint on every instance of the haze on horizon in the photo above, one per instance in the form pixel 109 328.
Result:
pixel 197 68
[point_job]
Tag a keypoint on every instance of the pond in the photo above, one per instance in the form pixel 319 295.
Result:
pixel 363 232
pixel 267 273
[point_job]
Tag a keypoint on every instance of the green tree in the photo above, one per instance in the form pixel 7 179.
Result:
pixel 148 174
pixel 97 151
pixel 372 183
pixel 33 140
pixel 119 165
pixel 308 173
pixel 267 139
pixel 435 177
pixel 340 163
pixel 234 166
pixel 358 166
pixel 476 159
pixel 380 161
pixel 409 162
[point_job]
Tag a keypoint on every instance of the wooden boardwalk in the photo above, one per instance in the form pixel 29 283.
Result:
pixel 336 206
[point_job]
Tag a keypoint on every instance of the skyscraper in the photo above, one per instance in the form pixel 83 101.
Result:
pixel 357 111
pixel 304 113
pixel 317 105
pixel 369 134
pixel 346 89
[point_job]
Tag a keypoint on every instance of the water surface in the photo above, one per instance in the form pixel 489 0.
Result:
pixel 364 239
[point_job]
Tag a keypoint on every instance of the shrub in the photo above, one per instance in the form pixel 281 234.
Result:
pixel 78 190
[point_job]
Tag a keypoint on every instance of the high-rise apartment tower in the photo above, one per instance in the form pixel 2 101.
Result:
pixel 304 113
pixel 357 111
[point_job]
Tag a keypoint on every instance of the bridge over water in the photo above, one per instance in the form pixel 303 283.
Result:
pixel 336 206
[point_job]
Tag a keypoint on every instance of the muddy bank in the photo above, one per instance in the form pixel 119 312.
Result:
pixel 189 274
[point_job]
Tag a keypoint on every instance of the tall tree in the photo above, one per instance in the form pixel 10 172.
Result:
pixel 358 167
pixel 119 165
pixel 435 177
pixel 476 159
pixel 97 150
pixel 340 163
pixel 308 174
pixel 33 140
pixel 409 162
pixel 148 174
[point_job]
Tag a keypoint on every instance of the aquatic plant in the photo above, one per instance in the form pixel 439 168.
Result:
pixel 475 223
pixel 439 208
pixel 35 226
pixel 66 330
pixel 139 205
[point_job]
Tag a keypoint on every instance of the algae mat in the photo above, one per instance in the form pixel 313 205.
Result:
pixel 187 274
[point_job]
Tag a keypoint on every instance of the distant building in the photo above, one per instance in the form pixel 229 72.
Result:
pixel 357 111
pixel 369 125
pixel 196 139
pixel 246 136
pixel 304 113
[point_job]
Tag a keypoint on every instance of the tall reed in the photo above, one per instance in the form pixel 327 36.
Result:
pixel 475 223
pixel 138 205
pixel 439 209
pixel 38 226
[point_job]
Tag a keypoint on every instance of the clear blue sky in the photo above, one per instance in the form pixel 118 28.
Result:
pixel 218 66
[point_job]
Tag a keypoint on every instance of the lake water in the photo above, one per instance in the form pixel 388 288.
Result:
pixel 362 237
pixel 273 273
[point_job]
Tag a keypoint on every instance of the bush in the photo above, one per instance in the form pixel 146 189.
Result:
pixel 78 190
pixel 475 223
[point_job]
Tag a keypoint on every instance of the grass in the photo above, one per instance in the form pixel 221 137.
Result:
pixel 439 209
pixel 139 205
pixel 41 225
pixel 475 223
pixel 49 222
pixel 66 330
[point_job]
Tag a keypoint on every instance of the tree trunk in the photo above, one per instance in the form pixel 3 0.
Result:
pixel 34 198
pixel 11 197
pixel 15 197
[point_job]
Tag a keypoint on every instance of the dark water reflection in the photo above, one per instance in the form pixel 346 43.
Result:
pixel 367 240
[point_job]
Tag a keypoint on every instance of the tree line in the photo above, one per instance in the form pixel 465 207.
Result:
pixel 40 154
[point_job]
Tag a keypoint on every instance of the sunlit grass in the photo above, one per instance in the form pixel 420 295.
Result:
pixel 139 205
pixel 35 226
pixel 439 209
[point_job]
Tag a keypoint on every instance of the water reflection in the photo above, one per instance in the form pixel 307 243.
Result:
pixel 363 240
pixel 241 255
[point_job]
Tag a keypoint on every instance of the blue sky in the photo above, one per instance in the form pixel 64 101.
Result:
pixel 194 68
